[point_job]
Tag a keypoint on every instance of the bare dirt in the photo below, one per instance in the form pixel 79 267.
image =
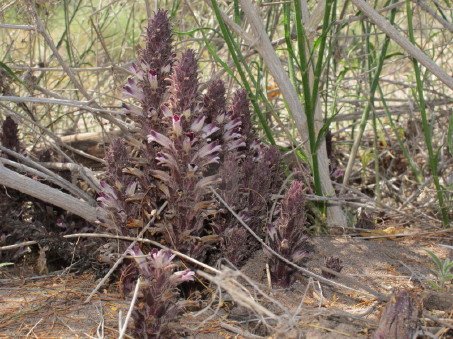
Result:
pixel 52 306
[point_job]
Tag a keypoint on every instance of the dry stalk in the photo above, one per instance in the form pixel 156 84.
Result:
pixel 45 193
pixel 58 180
pixel 227 281
pixel 131 308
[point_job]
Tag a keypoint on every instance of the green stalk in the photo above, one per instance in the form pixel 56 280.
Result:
pixel 289 46
pixel 426 126
pixel 240 62
pixel 309 105
pixel 371 52
pixel 366 112
pixel 406 153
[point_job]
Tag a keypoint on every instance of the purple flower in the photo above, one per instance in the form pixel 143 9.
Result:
pixel 133 91
pixel 138 73
pixel 161 259
pixel 286 236
pixel 131 109
pixel 166 111
pixel 206 151
pixel 167 160
pixel 181 276
pixel 152 78
pixel 198 124
pixel 209 129
pixel 161 139
pixel 207 181
pixel 177 125
pixel 140 259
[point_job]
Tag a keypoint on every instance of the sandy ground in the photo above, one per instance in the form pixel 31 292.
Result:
pixel 52 307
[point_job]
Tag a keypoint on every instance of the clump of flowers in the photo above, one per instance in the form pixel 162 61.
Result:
pixel 183 143
pixel 286 236
pixel 158 305
pixel 334 264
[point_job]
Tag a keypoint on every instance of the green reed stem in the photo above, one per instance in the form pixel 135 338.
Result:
pixel 426 125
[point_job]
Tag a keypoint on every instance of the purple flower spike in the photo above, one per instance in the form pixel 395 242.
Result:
pixel 286 236
pixel 158 305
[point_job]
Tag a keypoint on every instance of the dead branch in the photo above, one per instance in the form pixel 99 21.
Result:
pixel 45 193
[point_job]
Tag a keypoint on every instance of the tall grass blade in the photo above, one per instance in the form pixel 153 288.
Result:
pixel 426 125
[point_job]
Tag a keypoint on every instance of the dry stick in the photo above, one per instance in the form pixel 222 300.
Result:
pixel 144 240
pixel 58 180
pixel 94 183
pixel 26 27
pixel 131 307
pixel 240 331
pixel 119 237
pixel 75 69
pixel 41 29
pixel 299 268
pixel 436 16
pixel 404 43
pixel 8 5
pixel 436 319
pixel 47 194
pixel 71 103
pixel 363 17
pixel 81 172
pixel 22 118
pixel 226 280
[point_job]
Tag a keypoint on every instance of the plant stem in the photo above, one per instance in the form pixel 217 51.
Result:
pixel 426 125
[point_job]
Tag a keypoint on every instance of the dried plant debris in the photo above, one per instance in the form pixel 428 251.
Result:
pixel 332 263
pixel 9 137
pixel 399 319
pixel 365 221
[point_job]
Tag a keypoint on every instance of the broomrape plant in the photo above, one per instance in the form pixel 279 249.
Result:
pixel 183 142
pixel 158 303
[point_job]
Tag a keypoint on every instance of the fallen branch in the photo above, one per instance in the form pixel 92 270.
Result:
pixel 45 193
